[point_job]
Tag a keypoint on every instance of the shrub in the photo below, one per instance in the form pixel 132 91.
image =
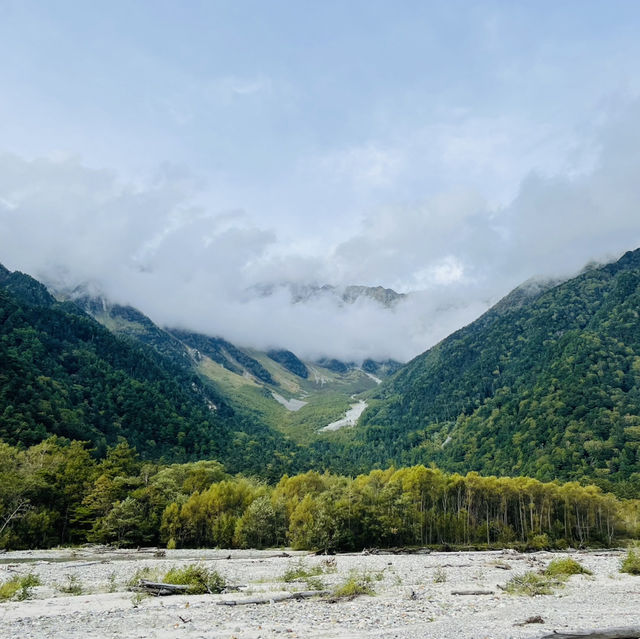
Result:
pixel 565 568
pixel 439 575
pixel 314 583
pixel 539 542
pixel 18 587
pixel 200 580
pixel 531 584
pixel 358 583
pixel 631 563
pixel 71 587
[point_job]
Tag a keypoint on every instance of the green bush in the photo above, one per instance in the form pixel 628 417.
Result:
pixel 200 580
pixel 18 587
pixel 631 563
pixel 565 568
pixel 358 583
pixel 539 542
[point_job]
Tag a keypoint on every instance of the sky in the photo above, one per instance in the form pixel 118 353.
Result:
pixel 178 156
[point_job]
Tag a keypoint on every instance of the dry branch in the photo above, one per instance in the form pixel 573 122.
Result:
pixel 472 592
pixel 159 589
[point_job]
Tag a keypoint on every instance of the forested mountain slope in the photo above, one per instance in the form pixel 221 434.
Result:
pixel 546 383
pixel 62 373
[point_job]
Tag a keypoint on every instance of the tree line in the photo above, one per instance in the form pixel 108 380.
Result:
pixel 56 492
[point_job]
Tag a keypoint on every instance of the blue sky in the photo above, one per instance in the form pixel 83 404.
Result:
pixel 448 147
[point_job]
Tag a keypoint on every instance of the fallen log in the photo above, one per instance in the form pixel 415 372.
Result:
pixel 628 632
pixel 472 592
pixel 273 598
pixel 159 589
pixel 401 550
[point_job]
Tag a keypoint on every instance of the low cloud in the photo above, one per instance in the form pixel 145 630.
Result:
pixel 149 245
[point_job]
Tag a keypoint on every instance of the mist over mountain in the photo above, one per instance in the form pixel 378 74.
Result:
pixel 448 257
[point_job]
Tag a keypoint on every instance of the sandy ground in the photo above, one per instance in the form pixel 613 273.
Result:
pixel 411 599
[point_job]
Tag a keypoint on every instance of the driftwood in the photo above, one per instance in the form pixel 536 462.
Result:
pixel 245 557
pixel 472 592
pixel 159 589
pixel 273 599
pixel 397 551
pixel 628 632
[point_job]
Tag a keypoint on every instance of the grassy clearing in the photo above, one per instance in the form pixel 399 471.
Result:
pixel 631 563
pixel 565 568
pixel 18 588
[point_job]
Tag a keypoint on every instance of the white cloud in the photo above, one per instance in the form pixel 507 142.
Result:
pixel 364 167
pixel 150 246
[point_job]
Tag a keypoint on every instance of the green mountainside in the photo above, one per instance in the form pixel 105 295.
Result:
pixel 274 388
pixel 62 373
pixel 546 384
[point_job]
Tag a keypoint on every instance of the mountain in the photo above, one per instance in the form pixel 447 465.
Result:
pixel 302 293
pixel 546 384
pixel 274 388
pixel 62 373
pixel 128 322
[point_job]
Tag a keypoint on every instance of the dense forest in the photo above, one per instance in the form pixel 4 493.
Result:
pixel 62 373
pixel 546 384
pixel 56 493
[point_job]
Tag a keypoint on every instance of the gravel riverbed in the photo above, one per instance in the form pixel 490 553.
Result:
pixel 413 596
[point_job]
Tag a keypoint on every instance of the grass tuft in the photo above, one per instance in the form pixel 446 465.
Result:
pixel 146 573
pixel 71 587
pixel 300 571
pixel 357 583
pixel 439 575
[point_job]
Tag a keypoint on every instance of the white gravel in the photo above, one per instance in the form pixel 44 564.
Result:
pixel 408 603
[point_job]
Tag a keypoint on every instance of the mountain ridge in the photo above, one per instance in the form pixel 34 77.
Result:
pixel 460 404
